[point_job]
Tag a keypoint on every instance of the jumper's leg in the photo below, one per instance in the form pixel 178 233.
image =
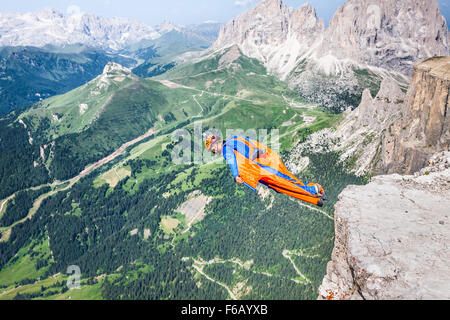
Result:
pixel 312 200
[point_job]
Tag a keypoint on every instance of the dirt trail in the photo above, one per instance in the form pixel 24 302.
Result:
pixel 200 270
pixel 112 156
pixel 172 85
pixel 3 203
pixel 201 107
pixel 286 254
pixel 202 263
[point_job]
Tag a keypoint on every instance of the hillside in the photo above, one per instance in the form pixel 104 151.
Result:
pixel 118 206
pixel 45 53
pixel 162 54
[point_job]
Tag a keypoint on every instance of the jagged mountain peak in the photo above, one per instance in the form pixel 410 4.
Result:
pixel 272 4
pixel 48 13
pixel 366 41
pixel 167 26
pixel 113 73
pixel 272 33
pixel 366 98
pixel 389 89
pixel 307 7
pixel 397 132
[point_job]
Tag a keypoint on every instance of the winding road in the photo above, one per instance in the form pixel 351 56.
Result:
pixel 200 270
pixel 199 264
pixel 286 254
pixel 3 203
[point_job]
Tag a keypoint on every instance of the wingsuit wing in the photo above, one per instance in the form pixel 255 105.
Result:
pixel 281 180
pixel 267 169
pixel 313 199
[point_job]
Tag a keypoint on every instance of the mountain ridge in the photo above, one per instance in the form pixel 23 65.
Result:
pixel 49 26
pixel 30 74
pixel 373 22
pixel 364 43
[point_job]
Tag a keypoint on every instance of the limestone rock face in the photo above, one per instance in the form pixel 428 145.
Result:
pixel 392 237
pixel 273 33
pixel 381 33
pixel 387 34
pixel 397 132
pixel 424 126
pixel 363 130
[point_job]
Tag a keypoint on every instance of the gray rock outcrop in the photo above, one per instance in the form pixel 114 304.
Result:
pixel 392 237
pixel 424 124
pixel 387 34
pixel 273 33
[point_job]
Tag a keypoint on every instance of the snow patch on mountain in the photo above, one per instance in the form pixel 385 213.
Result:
pixel 48 26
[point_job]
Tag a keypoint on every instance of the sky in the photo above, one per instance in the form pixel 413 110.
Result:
pixel 183 12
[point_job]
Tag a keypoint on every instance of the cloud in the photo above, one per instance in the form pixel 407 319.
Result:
pixel 73 10
pixel 243 3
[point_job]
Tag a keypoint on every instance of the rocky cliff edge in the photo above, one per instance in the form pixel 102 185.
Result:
pixel 393 237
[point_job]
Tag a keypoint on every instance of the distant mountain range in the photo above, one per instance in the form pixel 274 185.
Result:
pixel 46 52
pixel 49 26
pixel 31 74
pixel 365 42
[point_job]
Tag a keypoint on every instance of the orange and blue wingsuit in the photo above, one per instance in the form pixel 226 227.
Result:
pixel 254 163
